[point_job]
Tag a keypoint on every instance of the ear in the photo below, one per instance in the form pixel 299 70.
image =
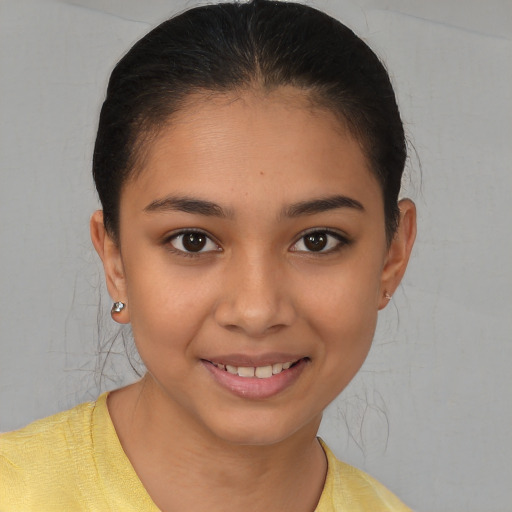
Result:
pixel 399 251
pixel 108 251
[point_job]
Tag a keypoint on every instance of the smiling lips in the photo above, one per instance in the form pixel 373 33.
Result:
pixel 261 372
pixel 256 382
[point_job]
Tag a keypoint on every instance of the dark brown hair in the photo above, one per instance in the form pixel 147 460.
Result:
pixel 229 46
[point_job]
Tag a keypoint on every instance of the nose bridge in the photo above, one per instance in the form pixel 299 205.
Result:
pixel 254 298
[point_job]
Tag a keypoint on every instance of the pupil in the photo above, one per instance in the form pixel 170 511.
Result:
pixel 315 241
pixel 194 242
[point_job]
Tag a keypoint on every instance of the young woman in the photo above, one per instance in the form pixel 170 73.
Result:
pixel 248 161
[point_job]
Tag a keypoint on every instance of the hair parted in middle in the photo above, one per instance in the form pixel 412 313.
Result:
pixel 232 47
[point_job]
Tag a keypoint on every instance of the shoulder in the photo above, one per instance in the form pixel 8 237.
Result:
pixel 47 455
pixel 31 445
pixel 350 489
pixel 28 445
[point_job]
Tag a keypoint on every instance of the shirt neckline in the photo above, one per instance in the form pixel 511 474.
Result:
pixel 119 479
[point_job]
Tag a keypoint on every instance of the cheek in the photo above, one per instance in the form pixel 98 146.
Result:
pixel 168 305
pixel 347 331
pixel 350 291
pixel 342 310
pixel 347 326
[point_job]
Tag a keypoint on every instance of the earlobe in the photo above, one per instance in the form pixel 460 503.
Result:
pixel 108 251
pixel 399 251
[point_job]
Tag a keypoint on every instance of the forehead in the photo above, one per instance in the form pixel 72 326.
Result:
pixel 257 112
pixel 278 143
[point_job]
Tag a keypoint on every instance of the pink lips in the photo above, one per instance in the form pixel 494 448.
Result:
pixel 254 387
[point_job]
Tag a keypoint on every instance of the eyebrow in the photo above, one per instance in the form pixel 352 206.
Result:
pixel 210 209
pixel 187 205
pixel 324 204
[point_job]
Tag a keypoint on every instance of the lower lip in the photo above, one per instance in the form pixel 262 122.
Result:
pixel 252 387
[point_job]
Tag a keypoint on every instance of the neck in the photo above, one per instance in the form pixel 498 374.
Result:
pixel 185 467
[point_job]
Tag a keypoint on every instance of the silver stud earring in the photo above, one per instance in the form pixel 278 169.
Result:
pixel 387 296
pixel 117 307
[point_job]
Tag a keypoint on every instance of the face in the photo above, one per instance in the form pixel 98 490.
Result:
pixel 253 261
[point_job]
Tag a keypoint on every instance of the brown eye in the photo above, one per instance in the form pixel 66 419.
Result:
pixel 194 242
pixel 190 242
pixel 320 242
pixel 315 241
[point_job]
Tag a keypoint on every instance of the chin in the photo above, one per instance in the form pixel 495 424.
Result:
pixel 264 430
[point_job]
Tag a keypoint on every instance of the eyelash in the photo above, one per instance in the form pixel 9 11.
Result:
pixel 189 254
pixel 342 241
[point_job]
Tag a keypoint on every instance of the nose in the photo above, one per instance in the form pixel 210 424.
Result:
pixel 254 298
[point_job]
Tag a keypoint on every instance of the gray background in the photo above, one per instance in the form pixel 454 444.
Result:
pixel 430 413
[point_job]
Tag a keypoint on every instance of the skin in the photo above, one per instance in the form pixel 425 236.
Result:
pixel 256 290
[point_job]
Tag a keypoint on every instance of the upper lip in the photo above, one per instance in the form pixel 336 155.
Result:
pixel 266 359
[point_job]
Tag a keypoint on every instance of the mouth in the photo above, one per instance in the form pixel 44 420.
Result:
pixel 260 372
pixel 240 377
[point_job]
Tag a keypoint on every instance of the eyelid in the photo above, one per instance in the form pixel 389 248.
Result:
pixel 166 240
pixel 342 238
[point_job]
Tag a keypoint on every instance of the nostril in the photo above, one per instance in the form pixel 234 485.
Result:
pixel 245 308
pixel 255 333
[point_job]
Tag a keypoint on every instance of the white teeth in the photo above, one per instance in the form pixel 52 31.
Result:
pixel 246 371
pixel 277 368
pixel 261 372
pixel 232 369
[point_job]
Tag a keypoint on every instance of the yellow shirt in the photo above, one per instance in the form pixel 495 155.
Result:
pixel 73 461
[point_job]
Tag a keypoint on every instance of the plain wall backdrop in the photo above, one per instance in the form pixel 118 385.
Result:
pixel 430 413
